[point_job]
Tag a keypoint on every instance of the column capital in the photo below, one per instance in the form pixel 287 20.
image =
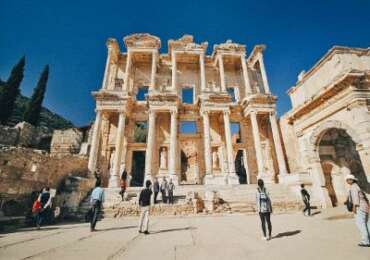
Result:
pixel 173 110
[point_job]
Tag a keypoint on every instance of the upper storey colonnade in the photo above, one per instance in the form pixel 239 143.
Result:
pixel 164 71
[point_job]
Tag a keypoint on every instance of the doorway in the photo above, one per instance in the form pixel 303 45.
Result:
pixel 138 169
pixel 240 167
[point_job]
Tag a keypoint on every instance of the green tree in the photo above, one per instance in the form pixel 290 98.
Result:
pixel 34 106
pixel 10 91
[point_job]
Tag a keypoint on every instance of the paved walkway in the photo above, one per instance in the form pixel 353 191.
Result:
pixel 329 235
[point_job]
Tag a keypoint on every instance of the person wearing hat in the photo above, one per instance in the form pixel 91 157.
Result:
pixel 360 209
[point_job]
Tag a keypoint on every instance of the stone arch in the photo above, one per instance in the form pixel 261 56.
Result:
pixel 321 129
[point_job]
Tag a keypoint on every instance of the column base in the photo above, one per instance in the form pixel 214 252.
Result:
pixel 232 179
pixel 113 181
pixel 215 180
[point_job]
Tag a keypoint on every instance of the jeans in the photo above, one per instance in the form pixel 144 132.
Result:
pixel 96 205
pixel 170 197
pixel 155 196
pixel 164 197
pixel 144 219
pixel 265 217
pixel 363 224
pixel 307 207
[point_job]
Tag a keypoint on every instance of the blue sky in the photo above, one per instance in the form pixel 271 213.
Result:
pixel 71 35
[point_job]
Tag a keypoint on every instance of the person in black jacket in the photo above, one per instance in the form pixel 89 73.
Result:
pixel 306 200
pixel 144 203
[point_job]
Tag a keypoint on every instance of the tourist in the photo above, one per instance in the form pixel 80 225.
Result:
pixel 264 208
pixel 144 203
pixel 360 207
pixel 170 189
pixel 123 184
pixel 96 200
pixel 306 201
pixel 155 189
pixel 164 189
pixel 45 206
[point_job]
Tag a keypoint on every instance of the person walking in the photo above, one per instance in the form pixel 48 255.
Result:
pixel 306 201
pixel 264 208
pixel 360 207
pixel 164 189
pixel 96 200
pixel 170 189
pixel 144 203
pixel 45 205
pixel 123 184
pixel 155 189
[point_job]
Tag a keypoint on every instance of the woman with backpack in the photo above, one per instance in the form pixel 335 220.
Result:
pixel 264 208
pixel 358 203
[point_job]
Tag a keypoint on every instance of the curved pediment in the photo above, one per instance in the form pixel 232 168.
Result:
pixel 186 43
pixel 142 40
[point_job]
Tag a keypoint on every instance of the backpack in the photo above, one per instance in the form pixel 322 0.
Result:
pixel 264 201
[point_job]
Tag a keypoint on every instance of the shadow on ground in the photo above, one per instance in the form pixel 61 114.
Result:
pixel 340 216
pixel 172 230
pixel 287 234
pixel 115 228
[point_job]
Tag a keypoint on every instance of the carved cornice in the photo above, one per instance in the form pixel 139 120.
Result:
pixel 328 56
pixel 353 78
pixel 228 47
pixel 142 40
pixel 186 43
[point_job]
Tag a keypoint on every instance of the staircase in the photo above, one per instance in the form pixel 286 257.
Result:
pixel 217 199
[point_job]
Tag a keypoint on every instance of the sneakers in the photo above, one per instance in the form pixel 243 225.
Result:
pixel 364 245
pixel 146 232
pixel 264 238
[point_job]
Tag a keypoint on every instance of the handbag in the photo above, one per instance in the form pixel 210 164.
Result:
pixel 36 207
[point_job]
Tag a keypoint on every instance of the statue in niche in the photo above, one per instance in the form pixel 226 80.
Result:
pixel 163 158
pixel 215 160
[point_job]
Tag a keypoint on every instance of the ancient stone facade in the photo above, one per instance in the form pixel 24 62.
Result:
pixel 185 115
pixel 327 132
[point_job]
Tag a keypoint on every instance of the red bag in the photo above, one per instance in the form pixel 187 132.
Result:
pixel 36 206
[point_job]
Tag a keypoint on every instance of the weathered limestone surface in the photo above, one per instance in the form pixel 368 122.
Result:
pixel 224 90
pixel 24 170
pixel 327 132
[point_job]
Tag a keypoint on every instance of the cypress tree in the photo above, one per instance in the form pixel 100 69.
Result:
pixel 34 106
pixel 10 90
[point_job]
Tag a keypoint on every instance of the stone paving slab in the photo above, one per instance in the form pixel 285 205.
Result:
pixel 331 234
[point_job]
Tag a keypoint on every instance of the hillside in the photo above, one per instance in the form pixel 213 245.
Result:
pixel 48 118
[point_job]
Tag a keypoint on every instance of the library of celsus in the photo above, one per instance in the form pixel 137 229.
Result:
pixel 209 118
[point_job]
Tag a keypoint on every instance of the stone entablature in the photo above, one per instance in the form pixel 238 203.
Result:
pixel 336 63
pixel 208 155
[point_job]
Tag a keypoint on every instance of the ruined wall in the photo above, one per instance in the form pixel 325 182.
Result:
pixel 23 171
pixel 66 142
pixel 25 135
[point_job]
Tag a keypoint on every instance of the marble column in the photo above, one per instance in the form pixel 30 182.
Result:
pixel 257 142
pixel 232 178
pixel 202 72
pixel 222 73
pixel 150 145
pixel 93 157
pixel 173 147
pixel 263 73
pixel 174 70
pixel 278 145
pixel 248 89
pixel 115 172
pixel 207 144
pixel 106 71
pixel 127 71
pixel 154 70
